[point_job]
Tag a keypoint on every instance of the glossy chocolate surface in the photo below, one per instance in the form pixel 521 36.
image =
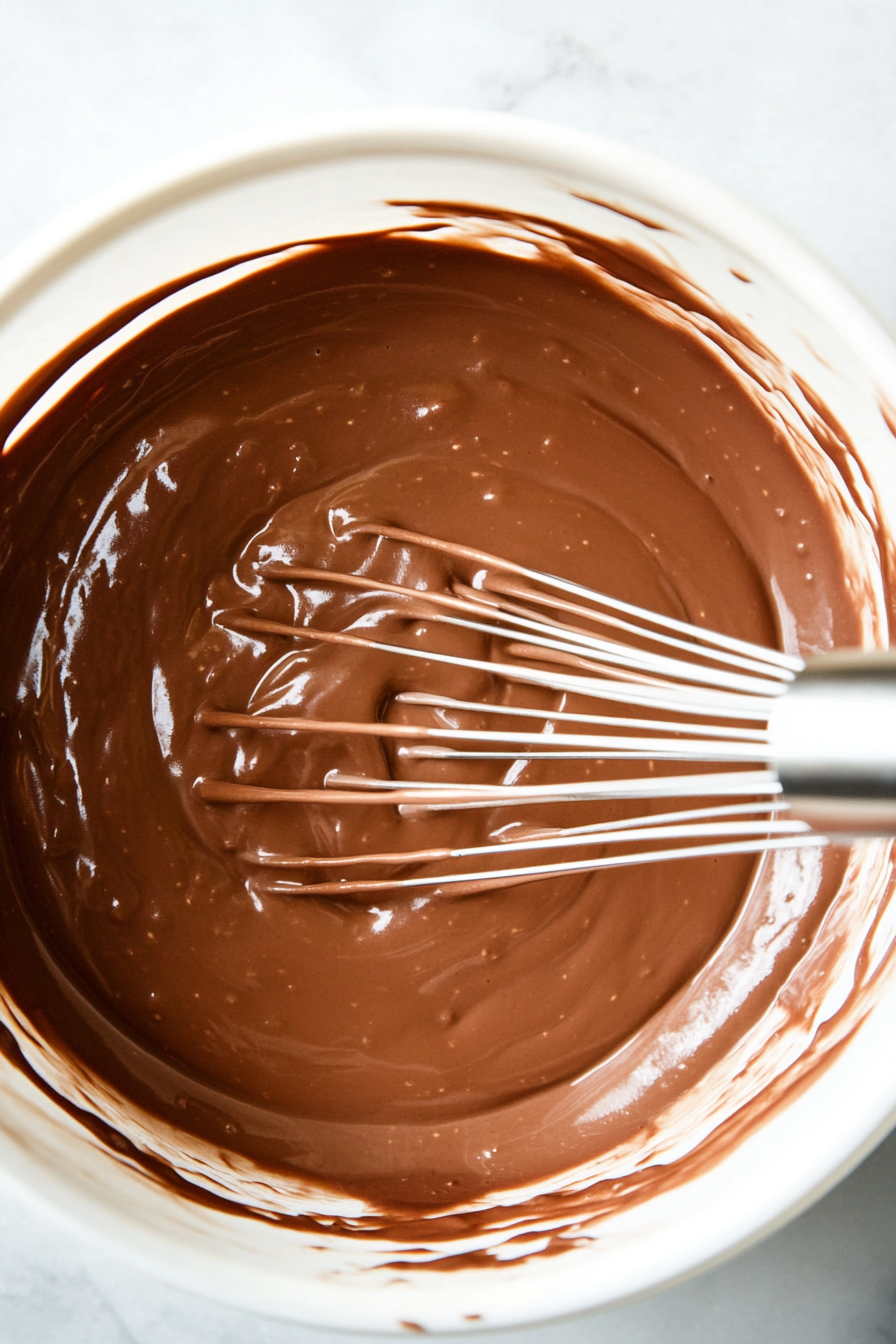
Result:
pixel 567 410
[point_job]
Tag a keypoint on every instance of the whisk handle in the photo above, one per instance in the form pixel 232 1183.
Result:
pixel 833 736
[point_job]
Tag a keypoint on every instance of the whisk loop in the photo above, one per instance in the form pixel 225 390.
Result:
pixel 715 693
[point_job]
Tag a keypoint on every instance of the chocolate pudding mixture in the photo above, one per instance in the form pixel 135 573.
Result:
pixel 566 410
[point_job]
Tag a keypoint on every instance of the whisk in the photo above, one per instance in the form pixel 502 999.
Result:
pixel 819 736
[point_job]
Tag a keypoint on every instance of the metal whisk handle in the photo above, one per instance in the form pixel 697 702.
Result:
pixel 833 738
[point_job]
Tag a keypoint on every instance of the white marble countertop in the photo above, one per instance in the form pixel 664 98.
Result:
pixel 789 103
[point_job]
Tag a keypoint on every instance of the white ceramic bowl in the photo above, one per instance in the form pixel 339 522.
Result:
pixel 319 180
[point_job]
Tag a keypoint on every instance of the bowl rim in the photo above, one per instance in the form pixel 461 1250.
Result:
pixel 511 138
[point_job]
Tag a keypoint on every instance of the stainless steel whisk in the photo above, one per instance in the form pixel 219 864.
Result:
pixel 820 736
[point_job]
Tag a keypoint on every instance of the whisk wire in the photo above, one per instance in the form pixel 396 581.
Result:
pixel 787 663
pixel 464 883
pixel 677 699
pixel 683 827
pixel 522 617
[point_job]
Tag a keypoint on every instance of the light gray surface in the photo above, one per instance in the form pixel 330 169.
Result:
pixel 789 103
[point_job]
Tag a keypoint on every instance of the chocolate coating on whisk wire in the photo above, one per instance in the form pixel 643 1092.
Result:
pixel 242 701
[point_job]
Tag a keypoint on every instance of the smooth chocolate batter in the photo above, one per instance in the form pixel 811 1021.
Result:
pixel 581 410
